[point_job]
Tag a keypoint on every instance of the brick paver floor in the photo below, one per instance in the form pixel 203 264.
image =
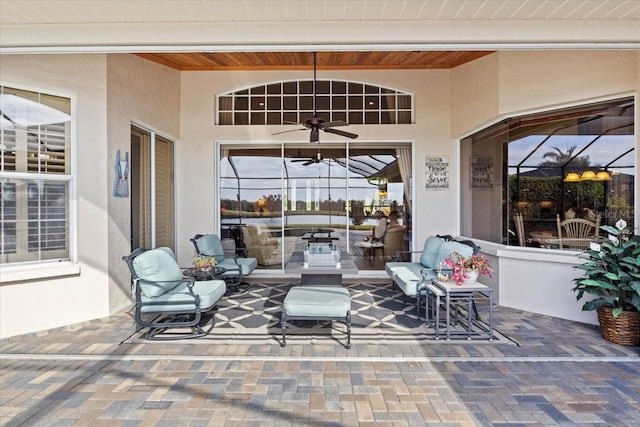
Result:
pixel 561 373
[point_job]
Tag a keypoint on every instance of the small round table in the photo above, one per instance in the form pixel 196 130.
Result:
pixel 211 274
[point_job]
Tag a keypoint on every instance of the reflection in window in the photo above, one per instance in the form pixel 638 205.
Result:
pixel 535 166
pixel 299 188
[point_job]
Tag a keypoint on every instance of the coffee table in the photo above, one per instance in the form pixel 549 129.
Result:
pixel 317 237
pixel 331 276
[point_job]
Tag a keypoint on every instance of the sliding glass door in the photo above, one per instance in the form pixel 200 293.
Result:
pixel 272 196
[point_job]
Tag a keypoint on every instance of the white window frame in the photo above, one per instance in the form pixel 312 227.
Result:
pixel 58 266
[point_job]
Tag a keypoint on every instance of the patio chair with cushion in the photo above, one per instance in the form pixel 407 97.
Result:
pixel 236 268
pixel 381 229
pixel 165 300
pixel 413 277
pixel 394 241
pixel 261 245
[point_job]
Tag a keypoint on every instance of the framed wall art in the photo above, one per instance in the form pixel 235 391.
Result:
pixel 436 172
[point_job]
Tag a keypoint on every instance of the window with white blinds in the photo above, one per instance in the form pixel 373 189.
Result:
pixel 35 176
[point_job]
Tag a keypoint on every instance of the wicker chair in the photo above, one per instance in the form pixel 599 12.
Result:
pixel 577 228
pixel 522 240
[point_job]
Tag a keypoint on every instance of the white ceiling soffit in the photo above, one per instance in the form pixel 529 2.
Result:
pixel 261 25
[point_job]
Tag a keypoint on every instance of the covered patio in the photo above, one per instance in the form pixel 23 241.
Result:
pixel 561 372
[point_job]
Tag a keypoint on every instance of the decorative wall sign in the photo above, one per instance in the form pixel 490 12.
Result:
pixel 436 172
pixel 121 182
pixel 482 172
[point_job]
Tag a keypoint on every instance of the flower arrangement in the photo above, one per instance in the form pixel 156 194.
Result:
pixel 204 263
pixel 460 265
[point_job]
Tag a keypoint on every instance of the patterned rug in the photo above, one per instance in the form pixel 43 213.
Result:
pixel 380 314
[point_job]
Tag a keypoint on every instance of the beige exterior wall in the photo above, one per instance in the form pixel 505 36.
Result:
pixel 83 290
pixel 111 91
pixel 509 83
pixel 148 95
pixel 199 135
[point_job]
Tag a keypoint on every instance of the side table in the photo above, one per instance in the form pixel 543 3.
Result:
pixel 211 274
pixel 465 291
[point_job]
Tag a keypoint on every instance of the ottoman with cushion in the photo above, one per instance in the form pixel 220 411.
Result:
pixel 316 303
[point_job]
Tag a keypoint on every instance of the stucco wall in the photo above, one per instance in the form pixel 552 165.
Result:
pixel 47 303
pixel 541 282
pixel 148 94
pixel 528 81
pixel 199 134
pixel 510 82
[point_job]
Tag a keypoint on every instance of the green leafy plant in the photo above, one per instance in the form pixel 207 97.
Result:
pixel 611 273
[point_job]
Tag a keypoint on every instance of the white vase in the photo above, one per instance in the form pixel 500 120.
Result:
pixel 473 277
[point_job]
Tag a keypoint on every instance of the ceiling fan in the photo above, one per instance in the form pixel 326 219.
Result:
pixel 309 160
pixel 315 123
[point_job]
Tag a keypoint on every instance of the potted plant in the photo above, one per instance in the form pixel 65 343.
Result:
pixel 204 263
pixel 611 275
pixel 466 270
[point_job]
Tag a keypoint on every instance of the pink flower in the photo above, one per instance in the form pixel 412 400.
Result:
pixel 461 265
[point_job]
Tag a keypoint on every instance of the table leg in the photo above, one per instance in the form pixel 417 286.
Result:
pixel 469 303
pixel 437 310
pixel 448 302
pixel 490 316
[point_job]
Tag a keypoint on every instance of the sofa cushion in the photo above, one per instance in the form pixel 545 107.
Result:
pixel 158 271
pixel 407 280
pixel 447 248
pixel 430 251
pixel 317 301
pixel 246 265
pixel 210 245
pixel 180 300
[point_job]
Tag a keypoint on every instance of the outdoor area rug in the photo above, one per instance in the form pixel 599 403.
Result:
pixel 380 314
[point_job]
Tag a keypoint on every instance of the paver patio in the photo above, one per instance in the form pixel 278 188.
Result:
pixel 562 373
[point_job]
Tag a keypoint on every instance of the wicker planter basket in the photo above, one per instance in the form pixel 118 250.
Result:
pixel 624 329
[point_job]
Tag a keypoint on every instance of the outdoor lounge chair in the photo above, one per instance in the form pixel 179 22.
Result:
pixel 261 245
pixel 165 300
pixel 236 268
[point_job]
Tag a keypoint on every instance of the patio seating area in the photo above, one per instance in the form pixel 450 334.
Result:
pixel 560 373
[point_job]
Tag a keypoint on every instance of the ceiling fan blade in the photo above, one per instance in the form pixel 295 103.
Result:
pixel 341 133
pixel 307 163
pixel 334 124
pixel 287 131
pixel 306 159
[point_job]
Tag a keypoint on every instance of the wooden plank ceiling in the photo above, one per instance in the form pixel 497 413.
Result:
pixel 348 60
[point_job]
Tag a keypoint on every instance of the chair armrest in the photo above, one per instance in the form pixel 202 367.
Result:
pixel 188 281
